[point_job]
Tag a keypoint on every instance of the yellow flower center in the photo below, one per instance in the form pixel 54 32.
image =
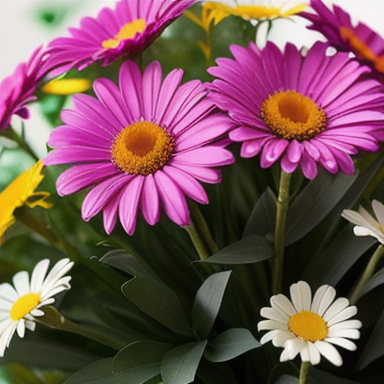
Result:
pixel 293 116
pixel 23 305
pixel 308 326
pixel 361 50
pixel 142 148
pixel 127 31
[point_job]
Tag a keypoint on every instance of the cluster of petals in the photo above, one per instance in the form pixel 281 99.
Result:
pixel 182 111
pixel 336 25
pixel 365 223
pixel 18 89
pixel 85 45
pixel 42 284
pixel 336 315
pixel 353 105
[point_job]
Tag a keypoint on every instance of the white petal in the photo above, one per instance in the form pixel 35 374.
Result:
pixel 269 336
pixel 342 315
pixel 282 303
pixel 348 324
pixel 31 325
pixel 336 308
pixel 8 293
pixel 55 277
pixel 314 354
pixel 5 337
pixel 291 348
pixel 273 314
pixel 21 283
pixel 38 275
pixel 304 353
pixel 270 325
pixel 301 296
pixel 37 312
pixel 349 333
pixel 362 231
pixel 341 342
pixel 329 352
pixel 320 294
pixel 326 299
pixel 282 337
pixel 378 210
pixel 21 328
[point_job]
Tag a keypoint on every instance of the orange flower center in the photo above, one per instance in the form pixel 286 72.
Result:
pixel 127 31
pixel 361 50
pixel 142 148
pixel 293 116
pixel 308 326
pixel 23 305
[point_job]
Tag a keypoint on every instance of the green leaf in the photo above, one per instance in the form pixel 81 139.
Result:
pixel 180 364
pixel 251 249
pixel 329 266
pixel 314 203
pixel 100 372
pixel 207 303
pixel 124 261
pixel 376 280
pixel 230 344
pixel 158 301
pixel 263 216
pixel 375 345
pixel 316 376
pixel 140 354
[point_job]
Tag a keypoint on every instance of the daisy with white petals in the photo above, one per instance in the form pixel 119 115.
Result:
pixel 21 303
pixel 310 327
pixel 366 225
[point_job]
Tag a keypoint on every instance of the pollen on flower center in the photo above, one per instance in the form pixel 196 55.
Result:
pixel 127 31
pixel 361 50
pixel 308 326
pixel 23 305
pixel 142 148
pixel 293 116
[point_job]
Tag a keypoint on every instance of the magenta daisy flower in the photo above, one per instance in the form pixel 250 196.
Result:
pixel 127 30
pixel 337 27
pixel 140 146
pixel 303 111
pixel 18 89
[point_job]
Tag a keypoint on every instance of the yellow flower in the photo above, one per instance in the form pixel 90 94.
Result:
pixel 66 86
pixel 21 192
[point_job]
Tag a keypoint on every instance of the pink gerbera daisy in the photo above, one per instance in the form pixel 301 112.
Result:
pixel 18 89
pixel 303 111
pixel 127 30
pixel 140 146
pixel 337 27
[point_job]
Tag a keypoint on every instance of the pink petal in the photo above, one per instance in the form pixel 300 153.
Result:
pixel 150 204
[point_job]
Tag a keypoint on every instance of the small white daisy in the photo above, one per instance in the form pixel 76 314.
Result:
pixel 310 326
pixel 366 225
pixel 20 304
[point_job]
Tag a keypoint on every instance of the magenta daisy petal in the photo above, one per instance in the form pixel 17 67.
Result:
pixel 18 89
pixel 336 25
pixel 301 111
pixel 126 30
pixel 143 151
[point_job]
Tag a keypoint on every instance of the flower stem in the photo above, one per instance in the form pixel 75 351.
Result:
pixel 281 217
pixel 367 274
pixel 197 241
pixel 13 135
pixel 305 365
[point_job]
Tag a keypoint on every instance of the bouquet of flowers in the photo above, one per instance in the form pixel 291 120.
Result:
pixel 211 204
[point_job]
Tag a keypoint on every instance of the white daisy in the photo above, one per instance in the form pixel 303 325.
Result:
pixel 20 304
pixel 310 326
pixel 366 225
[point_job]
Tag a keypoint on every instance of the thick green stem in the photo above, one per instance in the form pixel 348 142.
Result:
pixel 367 274
pixel 197 241
pixel 281 217
pixel 305 365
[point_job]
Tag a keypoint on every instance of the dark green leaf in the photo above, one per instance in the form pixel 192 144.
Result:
pixel 158 301
pixel 262 219
pixel 315 202
pixel 230 344
pixel 207 303
pixel 123 261
pixel 375 345
pixel 180 364
pixel 316 376
pixel 251 249
pixel 376 280
pixel 140 354
pixel 329 266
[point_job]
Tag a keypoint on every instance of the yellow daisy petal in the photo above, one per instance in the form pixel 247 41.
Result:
pixel 66 86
